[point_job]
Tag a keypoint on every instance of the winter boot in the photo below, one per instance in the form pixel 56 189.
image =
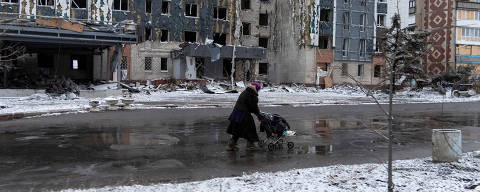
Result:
pixel 251 145
pixel 232 145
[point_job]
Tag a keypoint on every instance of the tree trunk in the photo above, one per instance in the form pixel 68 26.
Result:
pixel 5 77
pixel 390 136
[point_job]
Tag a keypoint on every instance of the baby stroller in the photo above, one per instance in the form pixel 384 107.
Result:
pixel 276 129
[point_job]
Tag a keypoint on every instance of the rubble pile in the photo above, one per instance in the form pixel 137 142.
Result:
pixel 59 86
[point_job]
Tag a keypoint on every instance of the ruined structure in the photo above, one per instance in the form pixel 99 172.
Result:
pixel 90 40
pixel 65 38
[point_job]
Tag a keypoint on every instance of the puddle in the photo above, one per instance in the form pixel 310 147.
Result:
pixel 154 149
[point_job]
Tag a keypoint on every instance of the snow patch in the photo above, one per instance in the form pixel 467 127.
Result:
pixel 408 175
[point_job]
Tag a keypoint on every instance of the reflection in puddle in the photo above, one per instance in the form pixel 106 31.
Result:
pixel 318 149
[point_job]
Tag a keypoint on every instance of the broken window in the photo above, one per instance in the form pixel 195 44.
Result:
pixel 120 5
pixel 220 38
pixel 164 35
pixel 45 2
pixel 80 4
pixel 148 63
pixel 245 4
pixel 148 6
pixel 345 47
pixel 263 19
pixel 78 62
pixel 191 10
pixel 245 28
pixel 362 22
pixel 124 63
pixel 381 20
pixel 165 7
pixel 346 1
pixel 325 15
pixel 344 69
pixel 377 71
pixel 200 66
pixel 163 64
pixel 362 47
pixel 263 68
pixel 148 34
pixel 263 42
pixel 360 70
pixel 346 20
pixel 190 36
pixel 227 67
pixel 323 42
pixel 10 1
pixel 220 13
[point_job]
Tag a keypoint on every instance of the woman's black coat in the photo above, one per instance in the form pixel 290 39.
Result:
pixel 242 124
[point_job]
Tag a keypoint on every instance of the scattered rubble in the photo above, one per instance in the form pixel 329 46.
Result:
pixel 59 86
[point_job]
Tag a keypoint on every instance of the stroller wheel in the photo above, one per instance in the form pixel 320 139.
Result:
pixel 271 146
pixel 290 145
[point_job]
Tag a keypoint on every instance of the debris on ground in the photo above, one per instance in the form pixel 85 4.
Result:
pixel 59 86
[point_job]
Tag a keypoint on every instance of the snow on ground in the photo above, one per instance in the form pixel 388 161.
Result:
pixel 40 103
pixel 408 175
pixel 268 96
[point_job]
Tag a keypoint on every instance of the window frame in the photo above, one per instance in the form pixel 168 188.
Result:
pixel 161 64
pixel 145 63
pixel 120 6
pixel 10 2
pixel 362 52
pixel 346 20
pixel 360 70
pixel 161 35
pixel 249 27
pixel 72 3
pixel 168 8
pixel 46 2
pixel 260 23
pixel 363 21
pixel 196 12
pixel 216 10
pixel 345 47
pixel 185 36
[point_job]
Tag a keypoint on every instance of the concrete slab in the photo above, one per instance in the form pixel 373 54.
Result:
pixel 100 93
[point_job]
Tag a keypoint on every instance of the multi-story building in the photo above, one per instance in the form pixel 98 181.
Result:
pixel 132 40
pixel 467 30
pixel 311 39
pixel 454 27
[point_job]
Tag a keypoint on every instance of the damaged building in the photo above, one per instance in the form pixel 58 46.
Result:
pixel 89 40
pixel 63 38
pixel 314 42
pixel 191 39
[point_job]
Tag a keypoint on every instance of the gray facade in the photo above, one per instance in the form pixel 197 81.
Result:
pixel 354 31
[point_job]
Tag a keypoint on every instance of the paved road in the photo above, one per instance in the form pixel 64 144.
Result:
pixel 178 145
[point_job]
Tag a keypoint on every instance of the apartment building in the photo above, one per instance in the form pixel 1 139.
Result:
pixel 467 31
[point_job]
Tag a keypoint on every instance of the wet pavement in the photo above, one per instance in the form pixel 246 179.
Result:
pixel 179 145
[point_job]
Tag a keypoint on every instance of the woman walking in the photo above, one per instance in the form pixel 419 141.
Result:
pixel 242 124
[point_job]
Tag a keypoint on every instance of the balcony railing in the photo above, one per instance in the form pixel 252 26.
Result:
pixel 468 5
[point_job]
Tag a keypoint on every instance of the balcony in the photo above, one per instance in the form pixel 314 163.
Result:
pixel 468 5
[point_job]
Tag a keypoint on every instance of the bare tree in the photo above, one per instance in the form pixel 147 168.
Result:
pixel 403 50
pixel 9 52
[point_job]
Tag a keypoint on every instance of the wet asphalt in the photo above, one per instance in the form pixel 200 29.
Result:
pixel 179 145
